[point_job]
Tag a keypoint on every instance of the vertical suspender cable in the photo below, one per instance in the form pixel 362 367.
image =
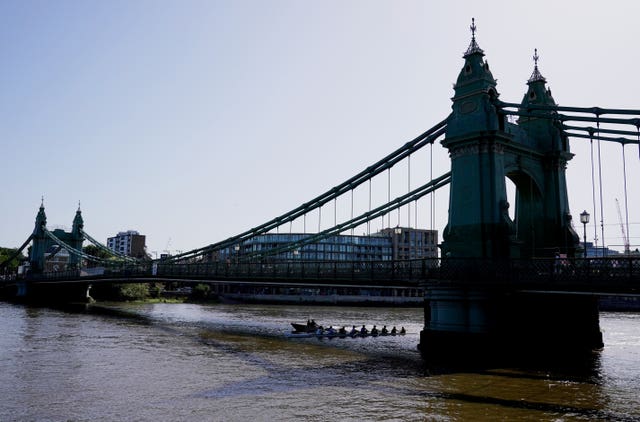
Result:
pixel 335 211
pixel 626 205
pixel 600 183
pixel 432 197
pixel 593 195
pixel 409 190
pixel 352 210
pixel 319 219
pixel 304 223
pixel 369 221
pixel 389 192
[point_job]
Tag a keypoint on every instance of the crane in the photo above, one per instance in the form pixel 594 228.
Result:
pixel 625 238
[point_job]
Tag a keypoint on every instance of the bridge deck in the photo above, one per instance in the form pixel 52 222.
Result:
pixel 615 275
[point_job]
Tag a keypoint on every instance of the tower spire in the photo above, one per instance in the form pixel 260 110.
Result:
pixel 473 29
pixel 536 75
pixel 473 47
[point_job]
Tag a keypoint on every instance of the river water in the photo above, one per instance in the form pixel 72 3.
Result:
pixel 186 362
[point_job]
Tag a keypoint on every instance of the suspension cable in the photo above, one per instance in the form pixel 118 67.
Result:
pixel 593 195
pixel 352 210
pixel 409 190
pixel 359 220
pixel 389 193
pixel 385 163
pixel 369 222
pixel 626 205
pixel 106 248
pixel 601 198
pixel 16 253
pixel 71 250
pixel 432 195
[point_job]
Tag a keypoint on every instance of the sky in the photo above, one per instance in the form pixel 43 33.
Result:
pixel 192 121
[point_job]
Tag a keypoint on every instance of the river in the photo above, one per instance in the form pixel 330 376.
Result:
pixel 187 362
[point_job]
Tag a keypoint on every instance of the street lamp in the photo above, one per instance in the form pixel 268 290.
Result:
pixel 237 249
pixel 398 232
pixel 584 219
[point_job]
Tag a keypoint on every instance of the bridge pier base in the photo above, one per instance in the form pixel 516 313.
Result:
pixel 52 292
pixel 468 324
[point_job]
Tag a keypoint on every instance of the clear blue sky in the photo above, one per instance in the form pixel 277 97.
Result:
pixel 191 121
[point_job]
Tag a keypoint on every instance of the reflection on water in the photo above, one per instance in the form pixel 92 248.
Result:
pixel 233 362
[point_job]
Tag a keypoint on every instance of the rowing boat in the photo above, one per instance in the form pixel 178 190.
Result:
pixel 299 334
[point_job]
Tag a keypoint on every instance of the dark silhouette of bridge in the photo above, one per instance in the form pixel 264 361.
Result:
pixel 524 278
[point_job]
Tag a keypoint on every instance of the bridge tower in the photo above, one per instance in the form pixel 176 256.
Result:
pixel 486 149
pixel 75 238
pixel 41 242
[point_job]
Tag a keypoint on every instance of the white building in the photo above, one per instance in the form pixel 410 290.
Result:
pixel 130 243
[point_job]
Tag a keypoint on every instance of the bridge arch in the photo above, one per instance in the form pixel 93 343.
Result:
pixel 528 197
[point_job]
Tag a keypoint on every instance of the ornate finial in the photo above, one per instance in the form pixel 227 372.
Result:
pixel 536 75
pixel 473 28
pixel 78 205
pixel 473 47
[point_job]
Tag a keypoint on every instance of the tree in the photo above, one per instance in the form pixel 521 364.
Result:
pixel 12 265
pixel 96 251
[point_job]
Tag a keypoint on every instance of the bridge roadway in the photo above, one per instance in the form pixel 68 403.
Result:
pixel 592 276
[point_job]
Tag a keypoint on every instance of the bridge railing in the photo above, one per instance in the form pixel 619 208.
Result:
pixel 405 271
pixel 612 273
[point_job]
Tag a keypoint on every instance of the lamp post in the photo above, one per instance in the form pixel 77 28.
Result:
pixel 584 219
pixel 237 249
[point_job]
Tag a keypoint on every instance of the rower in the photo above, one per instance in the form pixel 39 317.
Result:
pixel 374 331
pixel 363 330
pixel 393 330
pixel 384 330
pixel 342 331
pixel 353 331
pixel 403 331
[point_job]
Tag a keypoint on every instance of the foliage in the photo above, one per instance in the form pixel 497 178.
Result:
pixel 201 291
pixel 6 253
pixel 156 289
pixel 96 251
pixel 136 291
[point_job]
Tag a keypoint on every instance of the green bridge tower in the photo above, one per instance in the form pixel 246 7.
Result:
pixel 486 149
pixel 41 242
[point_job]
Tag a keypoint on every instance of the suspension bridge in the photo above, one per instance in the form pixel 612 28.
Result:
pixel 521 275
